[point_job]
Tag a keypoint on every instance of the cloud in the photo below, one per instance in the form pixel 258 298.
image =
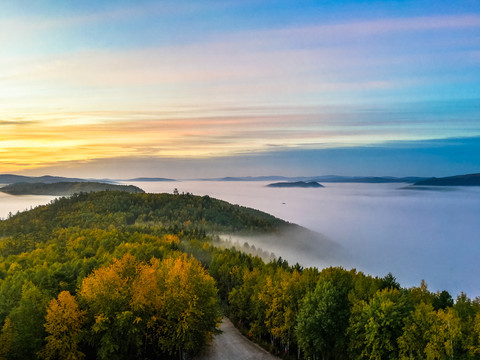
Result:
pixel 311 63
pixel 381 27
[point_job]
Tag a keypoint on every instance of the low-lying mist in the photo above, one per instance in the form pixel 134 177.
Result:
pixel 379 228
pixel 294 244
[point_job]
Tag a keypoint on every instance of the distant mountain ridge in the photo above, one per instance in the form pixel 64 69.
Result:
pixel 465 180
pixel 65 188
pixel 149 179
pixel 325 179
pixel 459 180
pixel 368 179
pixel 46 179
pixel 252 178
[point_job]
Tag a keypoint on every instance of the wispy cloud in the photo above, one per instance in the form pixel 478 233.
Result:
pixel 377 27
pixel 277 65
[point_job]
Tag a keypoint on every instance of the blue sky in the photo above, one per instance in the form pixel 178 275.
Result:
pixel 92 87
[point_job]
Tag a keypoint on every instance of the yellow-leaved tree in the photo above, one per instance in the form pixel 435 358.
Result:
pixel 106 295
pixel 177 301
pixel 63 324
pixel 147 309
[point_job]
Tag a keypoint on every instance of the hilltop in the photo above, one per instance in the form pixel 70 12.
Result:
pixel 187 212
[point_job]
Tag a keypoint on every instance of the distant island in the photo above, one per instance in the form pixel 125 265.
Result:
pixel 460 180
pixel 296 184
pixel 368 179
pixel 65 188
pixel 324 179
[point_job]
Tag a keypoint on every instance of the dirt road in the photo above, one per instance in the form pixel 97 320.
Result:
pixel 231 345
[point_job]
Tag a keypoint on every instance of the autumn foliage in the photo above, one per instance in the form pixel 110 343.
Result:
pixel 64 321
pixel 135 276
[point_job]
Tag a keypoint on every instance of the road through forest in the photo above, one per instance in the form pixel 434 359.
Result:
pixel 232 345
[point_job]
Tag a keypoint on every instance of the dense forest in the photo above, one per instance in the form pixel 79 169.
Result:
pixel 113 275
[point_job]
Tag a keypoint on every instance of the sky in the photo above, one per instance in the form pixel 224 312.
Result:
pixel 123 88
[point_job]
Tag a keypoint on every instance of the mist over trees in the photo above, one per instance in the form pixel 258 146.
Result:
pixel 111 275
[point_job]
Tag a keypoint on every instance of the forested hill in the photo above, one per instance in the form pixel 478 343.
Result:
pixel 65 188
pixel 105 209
pixel 112 275
pixel 296 184
pixel 106 275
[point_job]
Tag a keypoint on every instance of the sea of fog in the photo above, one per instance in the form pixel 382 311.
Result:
pixel 414 234
pixel 10 205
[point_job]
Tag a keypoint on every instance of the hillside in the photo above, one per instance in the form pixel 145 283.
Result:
pixel 460 180
pixel 114 266
pixel 64 188
pixel 114 275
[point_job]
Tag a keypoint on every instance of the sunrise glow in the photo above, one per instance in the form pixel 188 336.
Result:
pixel 96 81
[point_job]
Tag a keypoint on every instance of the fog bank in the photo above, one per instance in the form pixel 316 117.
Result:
pixel 295 244
pixel 381 228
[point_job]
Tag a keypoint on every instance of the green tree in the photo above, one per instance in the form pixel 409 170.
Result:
pixel 443 335
pixel 375 326
pixel 282 313
pixel 421 294
pixel 243 299
pixel 27 320
pixel 389 282
pixel 466 310
pixel 442 300
pixel 474 347
pixel 6 339
pixel 413 341
pixel 323 320
pixel 430 334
